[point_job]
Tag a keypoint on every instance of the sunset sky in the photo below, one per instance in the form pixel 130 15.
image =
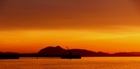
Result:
pixel 97 25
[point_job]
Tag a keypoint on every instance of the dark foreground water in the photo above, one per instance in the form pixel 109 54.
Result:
pixel 84 63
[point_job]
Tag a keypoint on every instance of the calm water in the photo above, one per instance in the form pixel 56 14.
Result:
pixel 84 63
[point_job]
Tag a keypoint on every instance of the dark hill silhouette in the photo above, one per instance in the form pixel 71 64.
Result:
pixel 52 51
pixel 60 51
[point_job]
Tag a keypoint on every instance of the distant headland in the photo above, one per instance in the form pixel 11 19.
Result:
pixel 57 51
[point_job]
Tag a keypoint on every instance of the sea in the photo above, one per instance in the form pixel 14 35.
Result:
pixel 84 63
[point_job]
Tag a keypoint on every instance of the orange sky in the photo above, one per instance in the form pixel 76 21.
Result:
pixel 98 25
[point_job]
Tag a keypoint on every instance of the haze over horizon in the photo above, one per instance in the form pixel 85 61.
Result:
pixel 97 25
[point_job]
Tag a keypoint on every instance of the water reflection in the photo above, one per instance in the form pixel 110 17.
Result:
pixel 84 63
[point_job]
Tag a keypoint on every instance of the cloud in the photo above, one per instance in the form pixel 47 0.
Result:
pixel 67 14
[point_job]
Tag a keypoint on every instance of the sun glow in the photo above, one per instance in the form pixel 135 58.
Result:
pixel 78 38
pixel 29 25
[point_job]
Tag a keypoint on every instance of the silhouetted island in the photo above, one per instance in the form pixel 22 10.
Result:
pixel 58 51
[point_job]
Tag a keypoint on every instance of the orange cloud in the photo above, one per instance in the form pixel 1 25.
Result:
pixel 91 24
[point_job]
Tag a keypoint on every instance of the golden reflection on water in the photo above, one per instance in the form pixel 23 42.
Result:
pixel 84 63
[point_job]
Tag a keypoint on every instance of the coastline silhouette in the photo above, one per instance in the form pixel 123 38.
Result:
pixel 58 51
